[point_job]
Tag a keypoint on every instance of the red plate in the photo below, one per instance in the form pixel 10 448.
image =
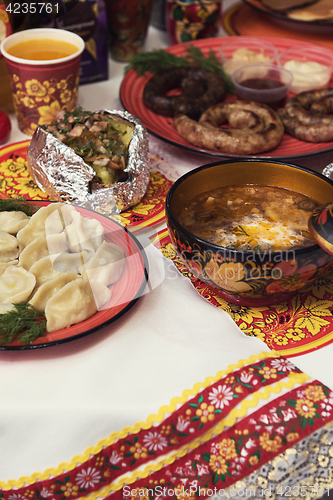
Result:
pixel 125 292
pixel 131 96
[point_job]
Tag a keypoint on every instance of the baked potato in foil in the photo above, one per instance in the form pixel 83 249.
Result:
pixel 97 160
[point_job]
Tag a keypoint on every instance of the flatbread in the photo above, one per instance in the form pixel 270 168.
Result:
pixel 319 11
pixel 282 6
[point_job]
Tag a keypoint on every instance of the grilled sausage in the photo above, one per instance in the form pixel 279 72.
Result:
pixel 199 88
pixel 308 115
pixel 258 129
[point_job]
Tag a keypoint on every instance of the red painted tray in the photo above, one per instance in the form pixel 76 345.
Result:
pixel 131 96
pixel 15 181
pixel 297 326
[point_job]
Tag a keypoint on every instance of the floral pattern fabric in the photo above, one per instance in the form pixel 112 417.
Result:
pixel 297 326
pixel 238 451
pixel 208 436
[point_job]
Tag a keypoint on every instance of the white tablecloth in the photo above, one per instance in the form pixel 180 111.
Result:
pixel 58 401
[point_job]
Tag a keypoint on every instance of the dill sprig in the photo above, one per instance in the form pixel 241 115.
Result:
pixel 23 323
pixel 158 59
pixel 19 205
pixel 210 62
pixel 240 230
pixel 154 61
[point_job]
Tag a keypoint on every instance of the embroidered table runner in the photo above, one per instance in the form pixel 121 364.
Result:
pixel 248 428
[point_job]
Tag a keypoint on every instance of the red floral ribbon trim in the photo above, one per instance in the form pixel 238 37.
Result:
pixel 200 413
pixel 239 450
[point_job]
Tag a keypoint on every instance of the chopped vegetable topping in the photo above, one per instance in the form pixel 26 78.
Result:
pixel 101 140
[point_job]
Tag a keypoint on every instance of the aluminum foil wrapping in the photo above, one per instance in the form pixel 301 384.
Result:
pixel 64 176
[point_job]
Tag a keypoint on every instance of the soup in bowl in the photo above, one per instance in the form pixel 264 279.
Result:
pixel 242 227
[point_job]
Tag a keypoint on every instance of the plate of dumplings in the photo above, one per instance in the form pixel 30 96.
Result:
pixel 79 268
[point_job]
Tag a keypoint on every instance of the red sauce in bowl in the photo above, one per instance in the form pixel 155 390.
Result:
pixel 261 83
pixel 264 84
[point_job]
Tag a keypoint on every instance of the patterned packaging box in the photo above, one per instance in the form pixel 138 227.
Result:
pixel 86 18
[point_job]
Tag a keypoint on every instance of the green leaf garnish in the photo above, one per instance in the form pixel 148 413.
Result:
pixel 158 59
pixel 18 205
pixel 154 61
pixel 23 323
pixel 240 230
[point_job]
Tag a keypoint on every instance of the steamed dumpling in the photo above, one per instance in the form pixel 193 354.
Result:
pixel 43 270
pixel 70 262
pixel 51 266
pixel 57 243
pixel 84 234
pixel 11 222
pixel 16 284
pixel 42 247
pixel 5 308
pixel 9 247
pixel 40 224
pixel 50 288
pixel 56 222
pixel 33 252
pixel 75 302
pixel 4 265
pixel 106 265
pixel 47 259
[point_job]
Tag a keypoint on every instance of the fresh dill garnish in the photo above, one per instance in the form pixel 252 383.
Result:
pixel 233 246
pixel 154 61
pixel 158 59
pixel 210 62
pixel 18 205
pixel 257 249
pixel 240 230
pixel 23 323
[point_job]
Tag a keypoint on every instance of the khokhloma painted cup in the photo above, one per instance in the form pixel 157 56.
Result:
pixel 128 22
pixel 44 68
pixel 189 20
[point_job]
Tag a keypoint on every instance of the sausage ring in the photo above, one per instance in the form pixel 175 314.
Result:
pixel 258 128
pixel 308 115
pixel 200 89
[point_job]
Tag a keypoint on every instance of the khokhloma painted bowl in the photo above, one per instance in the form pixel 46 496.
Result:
pixel 248 278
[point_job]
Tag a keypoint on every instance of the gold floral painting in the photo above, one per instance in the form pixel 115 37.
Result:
pixel 15 181
pixel 296 326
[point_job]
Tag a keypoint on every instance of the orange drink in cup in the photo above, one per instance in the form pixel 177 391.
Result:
pixel 44 67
